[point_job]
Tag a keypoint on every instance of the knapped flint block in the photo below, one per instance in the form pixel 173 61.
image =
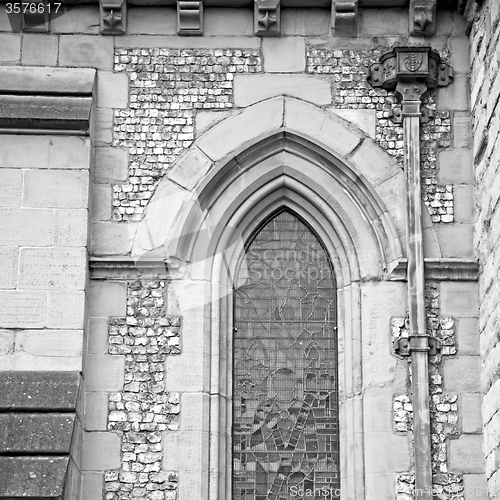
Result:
pixel 36 432
pixel 32 477
pixel 38 391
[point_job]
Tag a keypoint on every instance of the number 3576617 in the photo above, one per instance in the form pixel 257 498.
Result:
pixel 32 8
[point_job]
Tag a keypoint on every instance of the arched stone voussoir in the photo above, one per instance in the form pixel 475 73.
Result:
pixel 236 133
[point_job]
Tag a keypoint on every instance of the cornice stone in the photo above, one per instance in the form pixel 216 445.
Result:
pixel 38 100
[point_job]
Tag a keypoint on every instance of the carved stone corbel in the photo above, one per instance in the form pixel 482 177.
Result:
pixel 423 17
pixel 267 17
pixel 344 17
pixel 113 17
pixel 36 17
pixel 190 17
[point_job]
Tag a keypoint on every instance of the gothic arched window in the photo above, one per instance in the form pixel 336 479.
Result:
pixel 285 391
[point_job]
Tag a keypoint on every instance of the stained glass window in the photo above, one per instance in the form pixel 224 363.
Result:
pixel 285 396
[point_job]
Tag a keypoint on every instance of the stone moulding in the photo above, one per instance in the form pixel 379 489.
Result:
pixel 423 17
pixel 267 17
pixel 36 22
pixel 113 17
pixel 441 270
pixel 46 100
pixel 344 16
pixel 190 17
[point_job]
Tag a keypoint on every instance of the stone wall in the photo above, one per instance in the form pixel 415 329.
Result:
pixel 485 94
pixel 158 93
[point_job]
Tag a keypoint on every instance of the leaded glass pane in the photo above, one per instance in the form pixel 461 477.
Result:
pixel 285 416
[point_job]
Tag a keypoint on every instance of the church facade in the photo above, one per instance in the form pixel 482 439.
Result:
pixel 249 250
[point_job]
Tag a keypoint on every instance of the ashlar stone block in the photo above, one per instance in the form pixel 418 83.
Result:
pixel 104 373
pixel 284 55
pixel 112 90
pixel 462 374
pixel 249 89
pixel 70 228
pixel 66 309
pixel 54 268
pixel 101 451
pixel 23 309
pixel 190 168
pixel 8 267
pixel 7 345
pixel 111 164
pixel 78 19
pixel 86 51
pixel 70 152
pixel 112 239
pixel 102 199
pixel 466 454
pixel 11 187
pixel 472 422
pixel 151 21
pixel 26 227
pixel 107 299
pixel 459 299
pixel 48 350
pixel 24 151
pixel 101 125
pixel 456 167
pixel 39 49
pixel 10 48
pixel 56 189
pixel 96 411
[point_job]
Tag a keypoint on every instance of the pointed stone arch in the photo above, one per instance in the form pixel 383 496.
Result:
pixel 281 152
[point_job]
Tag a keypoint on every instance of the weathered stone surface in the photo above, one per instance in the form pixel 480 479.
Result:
pixel 33 80
pixel 39 49
pixel 96 411
pixel 24 151
pixel 365 119
pixel 104 373
pixel 112 239
pixel 456 167
pixel 249 89
pixel 227 22
pixel 78 19
pixel 101 451
pixel 56 189
pixel 152 21
pixel 190 168
pixel 468 336
pixel 462 129
pixel 456 241
pixel 23 309
pixel 258 120
pixel 55 268
pixel 472 422
pixel 48 350
pixel 305 21
pixel 10 48
pixel 111 164
pixel 465 204
pixel 68 152
pixel 70 228
pixel 11 187
pixel 32 477
pixel 475 485
pixel 466 454
pixel 86 51
pixel 8 267
pixel 101 202
pixel 462 374
pixel 459 299
pixel 382 22
pixel 107 299
pixel 102 126
pixel 38 391
pixel 112 90
pixel 36 432
pixel 66 310
pixel 284 55
pixel 98 336
pixel 455 96
pixel 179 42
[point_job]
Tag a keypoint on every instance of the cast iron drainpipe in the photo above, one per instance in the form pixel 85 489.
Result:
pixel 411 71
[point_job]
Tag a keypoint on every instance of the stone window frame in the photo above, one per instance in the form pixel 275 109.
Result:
pixel 355 210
